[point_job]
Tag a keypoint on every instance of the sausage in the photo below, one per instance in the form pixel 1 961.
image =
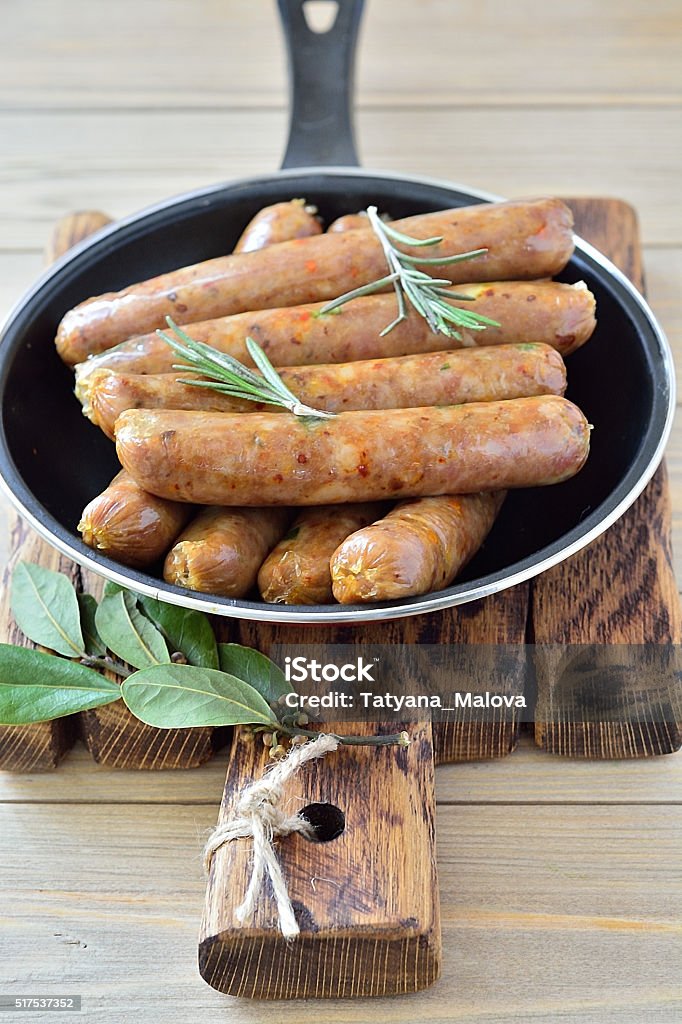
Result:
pixel 131 526
pixel 523 240
pixel 297 570
pixel 105 394
pixel 420 546
pixel 355 221
pixel 222 549
pixel 265 459
pixel 279 223
pixel 560 315
pixel 437 378
pixel 350 222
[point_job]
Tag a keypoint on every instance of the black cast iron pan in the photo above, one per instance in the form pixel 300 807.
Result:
pixel 53 461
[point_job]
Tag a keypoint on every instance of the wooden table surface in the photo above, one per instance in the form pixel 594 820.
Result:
pixel 561 884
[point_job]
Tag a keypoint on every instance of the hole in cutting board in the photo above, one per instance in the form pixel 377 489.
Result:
pixel 328 820
pixel 320 15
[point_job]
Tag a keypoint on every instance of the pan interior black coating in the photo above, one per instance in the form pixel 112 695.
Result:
pixel 55 461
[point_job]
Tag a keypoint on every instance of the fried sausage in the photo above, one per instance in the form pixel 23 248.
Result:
pixel 215 458
pixel 560 315
pixel 523 240
pixel 437 378
pixel 297 570
pixel 420 546
pixel 350 222
pixel 279 223
pixel 222 549
pixel 131 526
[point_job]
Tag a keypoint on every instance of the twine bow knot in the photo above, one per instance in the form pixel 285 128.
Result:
pixel 258 815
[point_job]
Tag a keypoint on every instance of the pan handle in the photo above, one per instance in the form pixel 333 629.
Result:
pixel 321 72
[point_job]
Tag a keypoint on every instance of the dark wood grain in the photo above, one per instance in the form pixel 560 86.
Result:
pixel 366 902
pixel 31 748
pixel 117 739
pixel 500 619
pixel 619 590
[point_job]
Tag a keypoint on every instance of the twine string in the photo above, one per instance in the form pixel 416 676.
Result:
pixel 258 816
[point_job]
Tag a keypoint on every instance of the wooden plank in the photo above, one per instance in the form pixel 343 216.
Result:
pixel 532 900
pixel 54 162
pixel 530 777
pixel 370 923
pixel 619 590
pixel 465 736
pixel 206 54
pixel 117 739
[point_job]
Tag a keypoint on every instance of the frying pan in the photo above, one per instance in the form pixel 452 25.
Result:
pixel 53 462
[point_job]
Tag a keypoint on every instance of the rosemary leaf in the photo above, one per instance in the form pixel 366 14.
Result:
pixel 398 236
pixel 356 293
pixel 441 261
pixel 230 377
pixel 424 293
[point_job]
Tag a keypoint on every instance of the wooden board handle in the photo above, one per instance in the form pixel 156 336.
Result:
pixel 366 901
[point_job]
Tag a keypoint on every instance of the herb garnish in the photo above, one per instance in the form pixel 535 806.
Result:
pixel 230 377
pixel 184 679
pixel 426 294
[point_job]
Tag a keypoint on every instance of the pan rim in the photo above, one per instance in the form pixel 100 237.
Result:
pixel 333 614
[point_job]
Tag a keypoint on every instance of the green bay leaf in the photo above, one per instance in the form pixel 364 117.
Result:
pixel 94 645
pixel 256 669
pixel 185 696
pixel 111 588
pixel 128 633
pixel 186 630
pixel 46 609
pixel 37 687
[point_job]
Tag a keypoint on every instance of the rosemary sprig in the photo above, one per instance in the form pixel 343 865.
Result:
pixel 428 295
pixel 230 377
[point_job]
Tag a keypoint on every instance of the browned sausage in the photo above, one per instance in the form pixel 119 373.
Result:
pixel 350 222
pixel 297 570
pixel 437 378
pixel 130 525
pixel 222 549
pixel 279 223
pixel 420 546
pixel 215 458
pixel 559 315
pixel 355 221
pixel 523 240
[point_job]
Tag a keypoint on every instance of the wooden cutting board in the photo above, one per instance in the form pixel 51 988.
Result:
pixel 620 589
pixel 370 925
